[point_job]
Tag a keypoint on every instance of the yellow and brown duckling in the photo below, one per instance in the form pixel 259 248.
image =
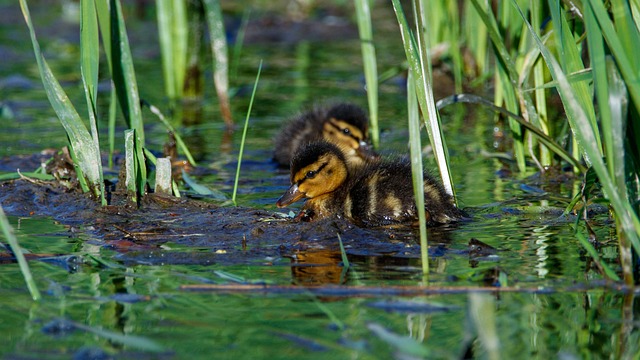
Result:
pixel 377 194
pixel 343 124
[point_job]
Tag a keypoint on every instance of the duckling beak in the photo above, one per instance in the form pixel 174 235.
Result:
pixel 365 151
pixel 290 196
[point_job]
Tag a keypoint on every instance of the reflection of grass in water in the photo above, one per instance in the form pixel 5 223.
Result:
pixel 7 230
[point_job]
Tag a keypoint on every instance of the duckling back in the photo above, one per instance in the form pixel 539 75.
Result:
pixel 345 125
pixel 382 194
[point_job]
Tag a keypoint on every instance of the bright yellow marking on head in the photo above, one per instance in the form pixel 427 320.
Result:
pixel 328 179
pixel 333 132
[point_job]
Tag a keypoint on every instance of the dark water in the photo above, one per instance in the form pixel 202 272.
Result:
pixel 124 284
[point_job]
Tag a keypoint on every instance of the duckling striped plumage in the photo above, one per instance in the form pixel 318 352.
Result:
pixel 343 124
pixel 377 194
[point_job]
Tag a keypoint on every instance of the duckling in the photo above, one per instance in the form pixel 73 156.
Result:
pixel 343 124
pixel 377 194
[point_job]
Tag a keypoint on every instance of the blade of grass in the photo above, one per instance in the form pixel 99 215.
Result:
pixel 244 135
pixel 18 174
pixel 179 141
pixel 363 16
pixel 124 77
pixel 629 69
pixel 90 51
pixel 104 14
pixel 124 80
pixel 172 32
pixel 83 145
pixel 418 60
pixel 570 61
pixel 612 127
pixel 538 81
pixel 130 164
pixel 7 230
pixel 417 174
pixel 218 39
pixel 428 106
pixel 507 77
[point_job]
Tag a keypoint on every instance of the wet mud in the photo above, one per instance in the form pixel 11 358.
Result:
pixel 217 234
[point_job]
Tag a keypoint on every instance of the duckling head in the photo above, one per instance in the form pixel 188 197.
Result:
pixel 317 169
pixel 347 126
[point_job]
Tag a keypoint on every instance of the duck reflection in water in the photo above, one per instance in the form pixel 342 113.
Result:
pixel 317 267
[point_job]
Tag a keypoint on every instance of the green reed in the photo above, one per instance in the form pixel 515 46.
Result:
pixel 83 146
pixel 363 17
pixel 417 175
pixel 172 32
pixel 218 43
pixel 10 236
pixel 244 134
pixel 416 45
pixel 417 53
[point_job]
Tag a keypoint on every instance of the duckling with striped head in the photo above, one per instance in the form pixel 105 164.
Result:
pixel 378 193
pixel 343 124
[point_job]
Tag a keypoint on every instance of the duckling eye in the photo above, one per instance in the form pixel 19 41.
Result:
pixel 346 131
pixel 311 174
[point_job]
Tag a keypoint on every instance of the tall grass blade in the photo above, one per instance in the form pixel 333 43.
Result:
pixel 432 121
pixel 612 126
pixel 181 145
pixel 7 230
pixel 90 51
pixel 104 22
pixel 124 79
pixel 172 32
pixel 244 135
pixel 581 126
pixel 629 68
pixel 538 82
pixel 506 86
pixel 417 174
pixel 218 39
pixel 363 16
pixel 83 145
pixel 571 62
pixel 130 178
pixel 418 59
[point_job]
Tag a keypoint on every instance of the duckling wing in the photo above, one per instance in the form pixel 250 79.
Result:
pixel 381 196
